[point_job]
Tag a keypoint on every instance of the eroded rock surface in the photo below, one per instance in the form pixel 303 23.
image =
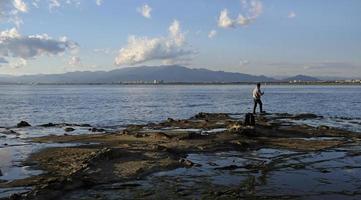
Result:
pixel 210 155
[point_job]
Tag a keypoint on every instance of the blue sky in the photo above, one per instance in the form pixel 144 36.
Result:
pixel 270 37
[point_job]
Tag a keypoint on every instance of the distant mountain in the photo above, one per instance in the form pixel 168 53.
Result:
pixel 301 78
pixel 168 74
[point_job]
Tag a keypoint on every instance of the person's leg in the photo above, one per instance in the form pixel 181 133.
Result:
pixel 255 106
pixel 260 105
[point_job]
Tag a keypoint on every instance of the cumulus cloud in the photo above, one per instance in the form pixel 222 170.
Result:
pixel 10 10
pixel 12 44
pixel 224 20
pixel 75 61
pixel 145 10
pixel 20 5
pixel 18 63
pixel 252 9
pixel 212 33
pixel 143 49
pixel 291 15
pixel 99 2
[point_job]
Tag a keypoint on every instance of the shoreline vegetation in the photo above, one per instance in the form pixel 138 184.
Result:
pixel 192 158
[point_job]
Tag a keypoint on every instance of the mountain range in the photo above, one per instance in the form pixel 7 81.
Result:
pixel 168 74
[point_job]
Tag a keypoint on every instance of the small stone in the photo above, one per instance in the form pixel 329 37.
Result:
pixel 23 124
pixel 324 127
pixel 189 163
pixel 69 129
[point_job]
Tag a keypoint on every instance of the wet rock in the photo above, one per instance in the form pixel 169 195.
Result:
pixel 69 129
pixel 210 116
pixel 323 127
pixel 189 163
pixel 305 116
pixel 325 171
pixel 48 125
pixel 1 173
pixel 23 124
pixel 229 167
pixel 96 129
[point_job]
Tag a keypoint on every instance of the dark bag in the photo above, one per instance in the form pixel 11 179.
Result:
pixel 249 120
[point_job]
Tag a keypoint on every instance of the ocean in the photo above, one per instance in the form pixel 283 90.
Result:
pixel 119 105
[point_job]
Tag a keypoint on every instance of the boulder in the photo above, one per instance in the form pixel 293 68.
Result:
pixel 23 124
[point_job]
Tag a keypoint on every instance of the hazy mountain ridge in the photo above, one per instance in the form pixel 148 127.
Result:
pixel 168 74
pixel 301 78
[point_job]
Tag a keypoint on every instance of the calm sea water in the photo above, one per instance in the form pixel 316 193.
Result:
pixel 116 105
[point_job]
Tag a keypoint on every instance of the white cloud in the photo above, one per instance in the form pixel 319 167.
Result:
pixel 145 10
pixel 13 45
pixel 143 49
pixel 10 10
pixel 99 2
pixel 224 20
pixel 252 10
pixel 54 4
pixel 212 33
pixel 18 63
pixel 291 15
pixel 20 5
pixel 243 63
pixel 75 61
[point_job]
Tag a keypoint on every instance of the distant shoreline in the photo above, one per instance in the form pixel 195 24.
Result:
pixel 200 83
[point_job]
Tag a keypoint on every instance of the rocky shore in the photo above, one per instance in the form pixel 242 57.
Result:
pixel 209 156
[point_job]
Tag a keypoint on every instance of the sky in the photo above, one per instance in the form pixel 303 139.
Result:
pixel 261 37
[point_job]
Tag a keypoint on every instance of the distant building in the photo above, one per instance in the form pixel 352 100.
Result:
pixel 158 81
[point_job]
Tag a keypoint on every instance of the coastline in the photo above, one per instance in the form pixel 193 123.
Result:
pixel 113 161
pixel 321 83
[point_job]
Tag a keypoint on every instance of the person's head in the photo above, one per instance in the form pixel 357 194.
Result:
pixel 258 85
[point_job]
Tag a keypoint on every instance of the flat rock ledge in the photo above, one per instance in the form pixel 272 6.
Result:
pixel 140 150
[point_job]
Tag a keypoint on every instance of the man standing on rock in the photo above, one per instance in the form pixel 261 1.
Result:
pixel 257 98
